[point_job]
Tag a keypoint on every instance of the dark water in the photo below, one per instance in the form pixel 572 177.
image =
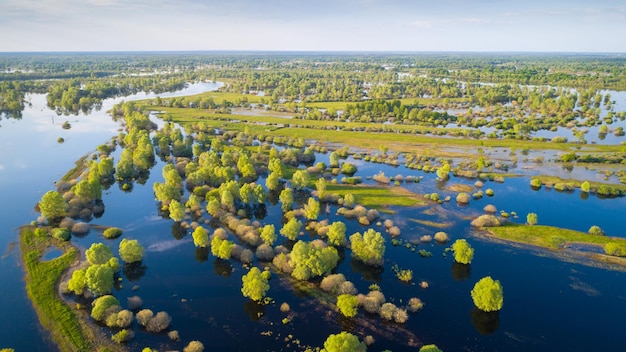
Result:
pixel 549 304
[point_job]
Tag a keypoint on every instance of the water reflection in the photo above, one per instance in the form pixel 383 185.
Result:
pixel 202 254
pixel 254 310
pixel 369 272
pixel 222 267
pixel 460 271
pixel 486 323
pixel 134 271
pixel 178 232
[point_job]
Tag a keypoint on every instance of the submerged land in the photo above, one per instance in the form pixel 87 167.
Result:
pixel 329 185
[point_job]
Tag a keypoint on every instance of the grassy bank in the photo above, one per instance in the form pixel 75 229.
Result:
pixel 549 237
pixel 379 197
pixel 70 329
pixel 41 286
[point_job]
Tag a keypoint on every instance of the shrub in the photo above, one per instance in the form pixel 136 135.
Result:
pixel 174 335
pixel 347 304
pixel 112 232
pixel 485 221
pixel 265 252
pixel 369 247
pixel 194 346
pixel 535 183
pixel 331 282
pixel 200 237
pixel 255 285
pixel 531 219
pixel 596 230
pixel 159 322
pixel 490 208
pixel 143 316
pixel 343 342
pixel 61 233
pixel 130 251
pixel 463 252
pixel 100 306
pixel 441 237
pixel 387 311
pixel 487 294
pixel 123 336
pixel 430 348
pixel 463 198
pixel 585 186
pixel 616 249
pixel 415 304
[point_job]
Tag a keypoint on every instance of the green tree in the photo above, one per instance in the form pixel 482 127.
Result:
pixel 347 304
pixel 596 230
pixel 221 248
pixel 98 253
pixel 311 260
pixel 272 182
pixel 348 200
pixel 291 229
pixel 337 233
pixel 276 167
pixel 320 185
pixel 343 342
pixel 430 348
pixel 300 179
pixel 615 249
pixel 585 186
pixel 200 237
pixel 177 210
pixel 259 194
pixel 369 247
pixel 334 159
pixel 100 306
pixel 77 283
pixel 130 251
pixel 268 234
pixel 463 252
pixel 312 209
pixel 286 198
pixel 531 219
pixel 52 205
pixel 444 171
pixel 99 279
pixel 255 284
pixel 487 294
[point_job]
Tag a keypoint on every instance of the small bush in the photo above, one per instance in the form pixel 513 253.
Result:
pixel 112 232
pixel 596 230
pixel 194 346
pixel 463 198
pixel 441 237
pixel 61 233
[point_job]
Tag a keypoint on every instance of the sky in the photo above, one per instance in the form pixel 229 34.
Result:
pixel 313 25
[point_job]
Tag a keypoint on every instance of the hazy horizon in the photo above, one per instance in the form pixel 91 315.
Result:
pixel 551 26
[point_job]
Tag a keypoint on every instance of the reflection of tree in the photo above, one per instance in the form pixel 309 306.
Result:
pixel 254 310
pixel 460 271
pixel 126 186
pixel 98 208
pixel 584 195
pixel 222 267
pixel 486 323
pixel 260 212
pixel 202 254
pixel 178 232
pixel 272 197
pixel 369 272
pixel 143 177
pixel 134 271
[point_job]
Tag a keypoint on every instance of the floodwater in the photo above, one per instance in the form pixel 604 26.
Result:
pixel 548 302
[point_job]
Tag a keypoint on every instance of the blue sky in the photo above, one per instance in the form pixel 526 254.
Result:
pixel 329 25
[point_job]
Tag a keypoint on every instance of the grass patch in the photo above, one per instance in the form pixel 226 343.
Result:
pixel 68 330
pixel 550 181
pixel 438 225
pixel 379 197
pixel 549 237
pixel 41 286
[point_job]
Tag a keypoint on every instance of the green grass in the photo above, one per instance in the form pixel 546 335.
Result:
pixel 379 197
pixel 398 142
pixel 70 329
pixel 41 286
pixel 549 237
pixel 552 180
